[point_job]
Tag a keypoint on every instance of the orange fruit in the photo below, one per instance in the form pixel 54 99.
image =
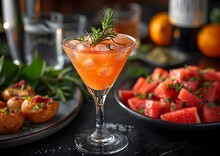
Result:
pixel 160 29
pixel 208 40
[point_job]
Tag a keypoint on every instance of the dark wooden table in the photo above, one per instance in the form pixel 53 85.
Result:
pixel 144 138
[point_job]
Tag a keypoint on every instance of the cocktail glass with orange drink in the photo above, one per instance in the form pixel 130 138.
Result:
pixel 99 65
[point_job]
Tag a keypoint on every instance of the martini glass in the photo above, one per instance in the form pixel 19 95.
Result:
pixel 99 66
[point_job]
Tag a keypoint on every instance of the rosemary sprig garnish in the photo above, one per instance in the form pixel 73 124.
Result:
pixel 107 32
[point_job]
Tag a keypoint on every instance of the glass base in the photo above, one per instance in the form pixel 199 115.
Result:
pixel 116 143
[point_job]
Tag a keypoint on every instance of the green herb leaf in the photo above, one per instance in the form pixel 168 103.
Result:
pixel 141 111
pixel 46 81
pixel 35 70
pixel 173 107
pixel 140 95
pixel 207 84
pixel 107 32
pixel 215 15
pixel 135 72
pixel 9 72
pixel 150 95
pixel 211 104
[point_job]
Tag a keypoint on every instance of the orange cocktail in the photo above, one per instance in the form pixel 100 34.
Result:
pixel 99 65
pixel 98 58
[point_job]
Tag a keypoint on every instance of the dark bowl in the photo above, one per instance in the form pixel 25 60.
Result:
pixel 160 123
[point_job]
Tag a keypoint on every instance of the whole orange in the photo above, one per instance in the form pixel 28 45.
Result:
pixel 208 40
pixel 160 29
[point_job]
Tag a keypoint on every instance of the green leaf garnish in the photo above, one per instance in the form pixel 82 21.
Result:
pixel 107 32
pixel 211 105
pixel 141 111
pixel 140 95
pixel 173 107
pixel 46 81
pixel 135 72
pixel 215 15
pixel 207 84
pixel 150 95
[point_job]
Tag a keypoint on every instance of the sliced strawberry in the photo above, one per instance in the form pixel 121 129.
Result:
pixel 152 109
pixel 124 95
pixel 148 87
pixel 210 112
pixel 190 85
pixel 176 105
pixel 190 99
pixel 165 106
pixel 210 75
pixel 185 116
pixel 159 74
pixel 136 104
pixel 166 90
pixel 183 74
pixel 139 83
pixel 208 90
pixel 193 68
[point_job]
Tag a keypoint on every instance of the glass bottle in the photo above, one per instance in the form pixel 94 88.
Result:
pixel 187 17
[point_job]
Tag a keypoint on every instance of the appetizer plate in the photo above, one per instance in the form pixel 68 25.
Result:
pixel 160 123
pixel 66 113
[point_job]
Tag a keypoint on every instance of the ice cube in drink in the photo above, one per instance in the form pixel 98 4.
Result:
pixel 105 70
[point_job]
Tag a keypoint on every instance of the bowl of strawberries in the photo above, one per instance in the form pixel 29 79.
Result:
pixel 185 98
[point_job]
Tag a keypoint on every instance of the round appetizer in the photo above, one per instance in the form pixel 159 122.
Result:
pixel 11 120
pixel 39 109
pixel 14 102
pixel 19 103
pixel 20 89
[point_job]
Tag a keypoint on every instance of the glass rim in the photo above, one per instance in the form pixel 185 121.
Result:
pixel 74 37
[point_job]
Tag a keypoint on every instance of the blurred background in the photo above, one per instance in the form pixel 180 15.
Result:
pixel 91 9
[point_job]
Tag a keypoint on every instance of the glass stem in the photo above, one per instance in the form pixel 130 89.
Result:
pixel 101 134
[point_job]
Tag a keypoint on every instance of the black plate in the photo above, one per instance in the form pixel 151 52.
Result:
pixel 160 123
pixel 66 113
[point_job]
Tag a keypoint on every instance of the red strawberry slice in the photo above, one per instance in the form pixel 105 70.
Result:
pixel 209 90
pixel 165 106
pixel 186 116
pixel 166 90
pixel 183 74
pixel 210 75
pixel 176 105
pixel 189 98
pixel 159 74
pixel 190 85
pixel 148 87
pixel 125 95
pixel 152 108
pixel 136 104
pixel 210 112
pixel 139 83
